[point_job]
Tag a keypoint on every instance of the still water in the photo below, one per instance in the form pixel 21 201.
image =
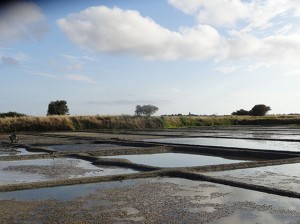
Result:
pixel 26 171
pixel 239 143
pixel 175 159
pixel 16 152
pixel 157 200
pixel 285 177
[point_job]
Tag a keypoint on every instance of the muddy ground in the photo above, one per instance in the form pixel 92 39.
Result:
pixel 144 200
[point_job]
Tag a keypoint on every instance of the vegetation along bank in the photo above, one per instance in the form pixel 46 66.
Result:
pixel 72 123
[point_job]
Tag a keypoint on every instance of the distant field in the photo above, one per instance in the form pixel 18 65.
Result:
pixel 64 123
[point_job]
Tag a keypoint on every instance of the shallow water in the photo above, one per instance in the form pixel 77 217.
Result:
pixel 159 200
pixel 16 152
pixel 175 159
pixel 24 171
pixel 86 147
pixel 239 143
pixel 286 177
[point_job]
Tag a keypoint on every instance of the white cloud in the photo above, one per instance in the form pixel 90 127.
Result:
pixel 80 78
pixel 227 13
pixel 21 20
pixel 293 72
pixel 118 31
pixel 282 49
pixel 217 13
pixel 226 69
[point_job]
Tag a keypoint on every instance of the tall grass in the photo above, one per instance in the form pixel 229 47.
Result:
pixel 70 123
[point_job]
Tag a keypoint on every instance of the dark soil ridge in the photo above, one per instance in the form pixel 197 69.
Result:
pixel 168 136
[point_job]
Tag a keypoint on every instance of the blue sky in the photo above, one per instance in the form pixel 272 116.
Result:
pixel 105 57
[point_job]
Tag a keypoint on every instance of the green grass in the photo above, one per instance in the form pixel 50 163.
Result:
pixel 72 123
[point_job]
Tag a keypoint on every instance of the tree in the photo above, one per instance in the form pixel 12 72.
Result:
pixel 259 110
pixel 12 114
pixel 146 110
pixel 241 112
pixel 58 107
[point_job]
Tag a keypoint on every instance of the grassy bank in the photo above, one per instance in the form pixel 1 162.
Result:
pixel 72 123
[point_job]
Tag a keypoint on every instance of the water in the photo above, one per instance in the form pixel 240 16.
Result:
pixel 239 143
pixel 16 152
pixel 25 171
pixel 157 200
pixel 175 159
pixel 285 177
pixel 86 147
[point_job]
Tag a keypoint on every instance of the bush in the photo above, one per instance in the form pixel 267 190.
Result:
pixel 58 107
pixel 146 110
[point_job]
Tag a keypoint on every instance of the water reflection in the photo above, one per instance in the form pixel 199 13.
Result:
pixel 86 147
pixel 175 159
pixel 25 171
pixel 286 177
pixel 239 143
pixel 16 152
pixel 160 200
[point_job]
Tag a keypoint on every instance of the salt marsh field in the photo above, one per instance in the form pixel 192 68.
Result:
pixel 235 174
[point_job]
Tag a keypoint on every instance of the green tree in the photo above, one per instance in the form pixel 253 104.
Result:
pixel 259 110
pixel 12 114
pixel 146 110
pixel 58 107
pixel 241 112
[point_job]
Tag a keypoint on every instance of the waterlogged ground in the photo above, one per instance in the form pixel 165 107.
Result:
pixel 27 171
pixel 175 159
pixel 156 200
pixel 286 177
pixel 150 200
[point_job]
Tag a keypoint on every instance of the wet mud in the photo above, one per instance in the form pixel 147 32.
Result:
pixel 170 200
pixel 121 203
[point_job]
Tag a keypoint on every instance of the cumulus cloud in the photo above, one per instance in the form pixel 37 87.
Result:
pixel 227 13
pixel 217 13
pixel 226 29
pixel 120 31
pixel 80 78
pixel 271 49
pixel 21 20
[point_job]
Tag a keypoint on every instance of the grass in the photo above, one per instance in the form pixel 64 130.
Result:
pixel 72 123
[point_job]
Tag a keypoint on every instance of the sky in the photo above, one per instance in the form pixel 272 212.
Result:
pixel 105 57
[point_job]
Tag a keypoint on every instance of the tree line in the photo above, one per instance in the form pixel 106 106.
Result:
pixel 60 107
pixel 257 110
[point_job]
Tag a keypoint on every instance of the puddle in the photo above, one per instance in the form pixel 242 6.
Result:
pixel 86 147
pixel 16 152
pixel 174 159
pixel 239 143
pixel 155 200
pixel 285 177
pixel 13 172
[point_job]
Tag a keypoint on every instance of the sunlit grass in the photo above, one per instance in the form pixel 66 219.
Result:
pixel 70 123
